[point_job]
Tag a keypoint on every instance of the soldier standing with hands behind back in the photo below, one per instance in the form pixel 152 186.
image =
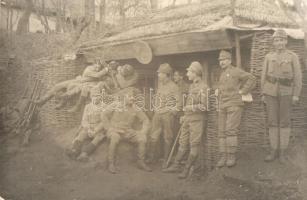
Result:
pixel 234 82
pixel 281 84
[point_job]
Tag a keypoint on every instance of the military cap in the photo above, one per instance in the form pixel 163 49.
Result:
pixel 224 55
pixel 113 64
pixel 196 68
pixel 165 68
pixel 280 33
pixel 127 70
pixel 95 91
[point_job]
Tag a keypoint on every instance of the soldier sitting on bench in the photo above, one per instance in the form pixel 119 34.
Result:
pixel 92 127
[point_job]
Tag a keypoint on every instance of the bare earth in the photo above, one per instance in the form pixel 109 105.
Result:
pixel 42 171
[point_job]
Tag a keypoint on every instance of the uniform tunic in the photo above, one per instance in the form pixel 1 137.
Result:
pixel 281 79
pixel 194 116
pixel 231 81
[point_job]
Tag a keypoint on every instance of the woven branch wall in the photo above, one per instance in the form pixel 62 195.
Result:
pixel 51 72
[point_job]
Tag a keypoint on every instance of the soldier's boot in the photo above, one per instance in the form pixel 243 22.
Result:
pixel 152 150
pixel 222 161
pixel 222 149
pixel 26 138
pixel 175 167
pixel 111 155
pixel 88 150
pixel 284 143
pixel 231 146
pixel 75 150
pixel 141 157
pixel 184 174
pixel 78 105
pixel 273 136
pixel 111 167
pixel 167 149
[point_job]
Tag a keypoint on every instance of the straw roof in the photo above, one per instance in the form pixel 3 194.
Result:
pixel 198 16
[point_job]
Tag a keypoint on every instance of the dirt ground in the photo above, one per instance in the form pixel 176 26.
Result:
pixel 42 171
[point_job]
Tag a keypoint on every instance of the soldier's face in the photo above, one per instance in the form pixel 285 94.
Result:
pixel 97 67
pixel 224 63
pixel 96 100
pixel 279 43
pixel 177 77
pixel 191 75
pixel 162 77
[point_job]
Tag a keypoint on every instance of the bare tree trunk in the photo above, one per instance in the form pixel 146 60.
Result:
pixel 102 14
pixel 154 4
pixel 122 11
pixel 174 2
pixel 23 23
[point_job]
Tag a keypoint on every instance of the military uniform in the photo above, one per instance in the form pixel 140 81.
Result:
pixel 193 120
pixel 93 126
pixel 168 102
pixel 281 80
pixel 233 83
pixel 121 127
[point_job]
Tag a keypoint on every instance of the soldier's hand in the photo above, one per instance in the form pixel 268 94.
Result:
pixel 263 99
pixel 295 100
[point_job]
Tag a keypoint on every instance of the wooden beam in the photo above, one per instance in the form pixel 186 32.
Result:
pixel 238 50
pixel 167 45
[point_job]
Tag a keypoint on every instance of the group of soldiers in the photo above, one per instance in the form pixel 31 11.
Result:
pixel 183 103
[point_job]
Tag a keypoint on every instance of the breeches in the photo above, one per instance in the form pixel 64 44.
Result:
pixel 84 135
pixel 278 111
pixel 191 133
pixel 229 120
pixel 163 123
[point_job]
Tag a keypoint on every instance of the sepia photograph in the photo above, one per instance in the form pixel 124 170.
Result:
pixel 153 100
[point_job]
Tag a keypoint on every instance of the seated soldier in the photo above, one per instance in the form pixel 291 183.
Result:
pixel 92 127
pixel 91 75
pixel 121 127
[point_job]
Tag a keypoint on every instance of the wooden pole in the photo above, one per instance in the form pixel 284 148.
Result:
pixel 238 50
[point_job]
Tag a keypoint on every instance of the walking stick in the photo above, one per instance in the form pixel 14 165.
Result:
pixel 173 148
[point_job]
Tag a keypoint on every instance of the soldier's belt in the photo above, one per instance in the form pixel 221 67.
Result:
pixel 282 81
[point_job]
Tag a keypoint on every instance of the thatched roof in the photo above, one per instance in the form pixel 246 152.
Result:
pixel 198 16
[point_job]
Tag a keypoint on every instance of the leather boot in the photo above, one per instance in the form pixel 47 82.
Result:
pixel 88 149
pixel 175 167
pixel 152 152
pixel 222 149
pixel 232 144
pixel 75 150
pixel 111 156
pixel 142 165
pixel 231 159
pixel 111 167
pixel 184 174
pixel 167 149
pixel 271 156
pixel 141 156
pixel 222 161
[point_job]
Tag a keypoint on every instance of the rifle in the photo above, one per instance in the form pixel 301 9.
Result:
pixel 27 117
pixel 173 148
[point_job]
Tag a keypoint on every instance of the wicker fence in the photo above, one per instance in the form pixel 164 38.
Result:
pixel 51 72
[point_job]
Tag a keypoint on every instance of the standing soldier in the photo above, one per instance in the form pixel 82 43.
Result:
pixel 192 121
pixel 181 82
pixel 233 83
pixel 167 104
pixel 281 84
